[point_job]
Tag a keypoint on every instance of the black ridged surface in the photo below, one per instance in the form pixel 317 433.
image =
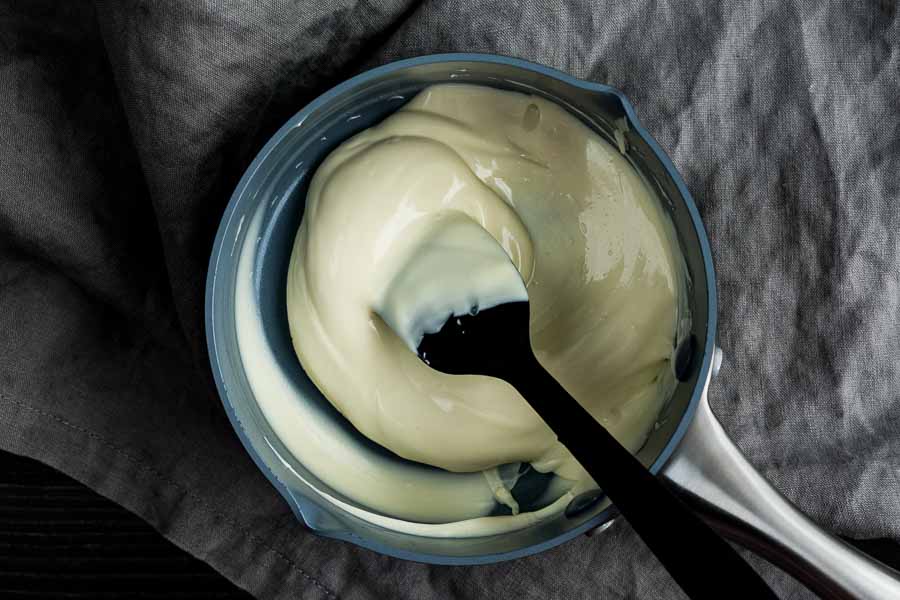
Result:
pixel 60 539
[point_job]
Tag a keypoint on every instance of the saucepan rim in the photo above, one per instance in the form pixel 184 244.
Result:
pixel 705 350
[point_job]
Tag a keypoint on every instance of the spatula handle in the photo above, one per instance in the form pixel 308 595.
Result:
pixel 697 558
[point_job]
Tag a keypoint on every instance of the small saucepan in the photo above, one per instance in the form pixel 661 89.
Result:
pixel 688 448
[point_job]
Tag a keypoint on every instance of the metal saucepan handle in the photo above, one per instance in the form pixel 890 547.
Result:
pixel 711 474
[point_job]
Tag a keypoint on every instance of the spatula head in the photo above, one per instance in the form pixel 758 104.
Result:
pixel 489 342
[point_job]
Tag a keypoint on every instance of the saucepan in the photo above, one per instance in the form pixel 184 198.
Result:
pixel 688 447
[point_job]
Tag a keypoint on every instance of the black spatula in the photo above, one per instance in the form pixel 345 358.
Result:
pixel 496 343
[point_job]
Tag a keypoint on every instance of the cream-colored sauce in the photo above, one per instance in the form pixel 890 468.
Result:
pixel 448 265
pixel 590 239
pixel 396 495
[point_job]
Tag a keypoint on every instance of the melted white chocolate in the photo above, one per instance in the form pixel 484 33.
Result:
pixel 395 223
pixel 448 266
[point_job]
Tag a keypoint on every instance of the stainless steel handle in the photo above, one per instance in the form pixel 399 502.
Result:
pixel 712 475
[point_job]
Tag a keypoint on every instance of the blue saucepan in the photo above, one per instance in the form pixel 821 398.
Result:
pixel 689 448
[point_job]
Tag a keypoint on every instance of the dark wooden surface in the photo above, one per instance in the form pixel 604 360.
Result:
pixel 59 539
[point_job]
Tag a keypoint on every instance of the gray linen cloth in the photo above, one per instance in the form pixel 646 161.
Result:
pixel 126 125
